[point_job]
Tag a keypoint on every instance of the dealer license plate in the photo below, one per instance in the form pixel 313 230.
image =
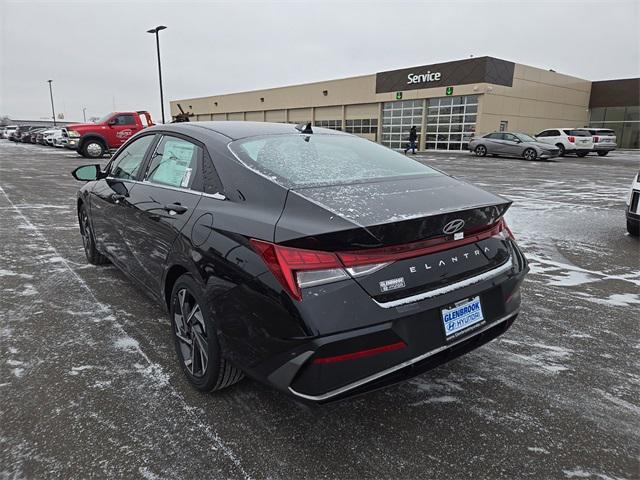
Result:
pixel 462 316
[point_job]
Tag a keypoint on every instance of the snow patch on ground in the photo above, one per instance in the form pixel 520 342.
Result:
pixel 81 368
pixel 127 343
pixel 538 450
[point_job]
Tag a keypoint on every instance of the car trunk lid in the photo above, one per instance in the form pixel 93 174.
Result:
pixel 400 237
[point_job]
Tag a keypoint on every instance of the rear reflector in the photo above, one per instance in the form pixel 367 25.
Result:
pixel 360 353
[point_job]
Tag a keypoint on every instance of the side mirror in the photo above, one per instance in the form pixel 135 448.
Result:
pixel 87 173
pixel 113 121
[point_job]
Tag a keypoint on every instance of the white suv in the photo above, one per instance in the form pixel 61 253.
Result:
pixel 568 140
pixel 604 140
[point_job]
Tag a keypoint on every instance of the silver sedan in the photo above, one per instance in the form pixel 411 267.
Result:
pixel 512 145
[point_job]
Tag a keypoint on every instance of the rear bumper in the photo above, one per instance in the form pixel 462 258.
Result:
pixel 604 148
pixel 417 365
pixel 416 325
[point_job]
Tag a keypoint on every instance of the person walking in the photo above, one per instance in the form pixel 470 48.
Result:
pixel 413 137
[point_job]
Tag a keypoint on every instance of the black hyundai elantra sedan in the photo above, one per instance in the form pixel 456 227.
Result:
pixel 315 261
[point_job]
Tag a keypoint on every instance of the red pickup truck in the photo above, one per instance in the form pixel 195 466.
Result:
pixel 92 140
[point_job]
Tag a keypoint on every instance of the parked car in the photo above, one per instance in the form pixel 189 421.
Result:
pixel 38 136
pixel 513 144
pixel 9 131
pixel 60 138
pixel 315 261
pixel 93 140
pixel 633 207
pixel 604 140
pixel 48 136
pixel 568 140
pixel 33 138
pixel 23 133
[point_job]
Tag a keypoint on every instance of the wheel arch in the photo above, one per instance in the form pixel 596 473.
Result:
pixel 92 136
pixel 171 276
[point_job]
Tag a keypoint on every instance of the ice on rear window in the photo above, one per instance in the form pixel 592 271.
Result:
pixel 303 160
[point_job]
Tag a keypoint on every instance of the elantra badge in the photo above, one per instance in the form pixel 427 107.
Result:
pixel 453 226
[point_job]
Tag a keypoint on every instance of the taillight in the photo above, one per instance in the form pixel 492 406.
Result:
pixel 297 268
pixel 596 139
pixel 571 138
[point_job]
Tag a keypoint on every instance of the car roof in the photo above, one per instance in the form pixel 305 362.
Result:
pixel 240 129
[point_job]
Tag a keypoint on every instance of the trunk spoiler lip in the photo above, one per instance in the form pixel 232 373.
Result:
pixel 461 209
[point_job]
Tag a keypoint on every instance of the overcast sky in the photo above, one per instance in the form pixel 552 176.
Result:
pixel 100 56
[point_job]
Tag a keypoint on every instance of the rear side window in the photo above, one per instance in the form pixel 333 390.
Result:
pixel 494 136
pixel 174 163
pixel 303 160
pixel 578 133
pixel 125 120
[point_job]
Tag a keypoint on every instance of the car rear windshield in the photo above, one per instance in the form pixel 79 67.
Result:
pixel 603 133
pixel 578 133
pixel 305 160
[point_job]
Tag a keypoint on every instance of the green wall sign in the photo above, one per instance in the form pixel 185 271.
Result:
pixel 398 95
pixel 449 90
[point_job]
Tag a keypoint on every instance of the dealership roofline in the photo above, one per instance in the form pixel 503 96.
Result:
pixel 353 77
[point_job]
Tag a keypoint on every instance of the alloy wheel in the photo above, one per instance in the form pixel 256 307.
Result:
pixel 191 332
pixel 530 154
pixel 86 231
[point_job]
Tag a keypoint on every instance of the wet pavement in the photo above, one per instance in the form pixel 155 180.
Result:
pixel 90 386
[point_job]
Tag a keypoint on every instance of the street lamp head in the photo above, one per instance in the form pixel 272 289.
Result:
pixel 157 29
pixel 49 81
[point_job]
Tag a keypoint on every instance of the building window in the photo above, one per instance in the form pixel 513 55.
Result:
pixel 625 121
pixel 332 124
pixel 397 119
pixel 362 125
pixel 451 122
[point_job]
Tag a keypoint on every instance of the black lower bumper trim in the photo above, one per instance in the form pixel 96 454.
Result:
pixel 417 365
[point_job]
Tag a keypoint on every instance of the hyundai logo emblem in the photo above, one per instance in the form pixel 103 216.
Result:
pixel 453 226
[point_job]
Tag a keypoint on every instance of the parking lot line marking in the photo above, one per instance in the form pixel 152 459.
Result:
pixel 211 434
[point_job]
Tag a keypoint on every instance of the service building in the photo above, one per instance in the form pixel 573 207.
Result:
pixel 447 102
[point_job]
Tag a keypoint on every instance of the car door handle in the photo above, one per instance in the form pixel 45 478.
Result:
pixel 175 207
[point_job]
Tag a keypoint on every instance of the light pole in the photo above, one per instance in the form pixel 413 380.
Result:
pixel 156 30
pixel 84 114
pixel 53 110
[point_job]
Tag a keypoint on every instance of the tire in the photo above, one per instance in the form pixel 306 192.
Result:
pixel 212 371
pixel 562 149
pixel 94 257
pixel 603 153
pixel 480 150
pixel 582 154
pixel 633 229
pixel 92 148
pixel 530 154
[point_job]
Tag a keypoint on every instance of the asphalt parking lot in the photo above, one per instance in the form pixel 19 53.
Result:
pixel 90 385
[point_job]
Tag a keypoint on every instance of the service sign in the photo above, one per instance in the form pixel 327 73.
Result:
pixel 462 72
